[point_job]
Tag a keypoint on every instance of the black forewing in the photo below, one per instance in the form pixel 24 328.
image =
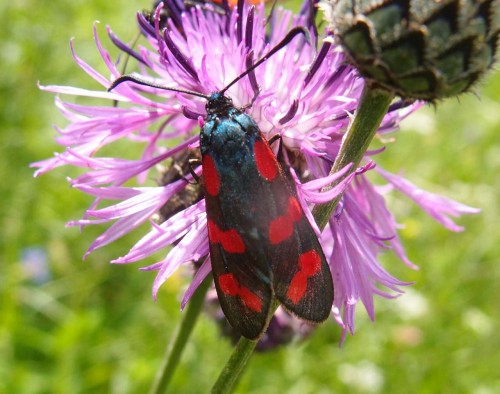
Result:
pixel 249 322
pixel 317 299
pixel 316 303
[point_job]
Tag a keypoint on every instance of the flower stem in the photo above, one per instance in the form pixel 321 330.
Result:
pixel 180 337
pixel 234 366
pixel 372 108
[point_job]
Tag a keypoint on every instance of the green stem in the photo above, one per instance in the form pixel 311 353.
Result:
pixel 180 337
pixel 372 108
pixel 234 366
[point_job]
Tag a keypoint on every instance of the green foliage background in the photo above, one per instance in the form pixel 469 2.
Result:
pixel 91 327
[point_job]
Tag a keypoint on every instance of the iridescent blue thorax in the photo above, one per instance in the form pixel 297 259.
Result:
pixel 228 133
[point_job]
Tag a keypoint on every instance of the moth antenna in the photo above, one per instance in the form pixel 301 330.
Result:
pixel 145 82
pixel 140 81
pixel 289 37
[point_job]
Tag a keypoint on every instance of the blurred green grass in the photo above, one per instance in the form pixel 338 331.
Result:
pixel 90 327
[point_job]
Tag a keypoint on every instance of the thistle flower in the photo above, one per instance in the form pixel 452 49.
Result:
pixel 306 95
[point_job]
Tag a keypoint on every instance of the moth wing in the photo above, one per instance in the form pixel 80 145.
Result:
pixel 301 277
pixel 244 297
pixel 302 280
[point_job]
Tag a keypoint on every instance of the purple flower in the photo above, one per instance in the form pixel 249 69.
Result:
pixel 307 95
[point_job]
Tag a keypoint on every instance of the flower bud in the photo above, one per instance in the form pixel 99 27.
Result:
pixel 418 49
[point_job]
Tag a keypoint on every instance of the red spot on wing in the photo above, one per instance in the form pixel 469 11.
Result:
pixel 229 285
pixel 230 240
pixel 281 228
pixel 250 299
pixel 297 288
pixel 266 162
pixel 309 265
pixel 310 262
pixel 210 175
pixel 294 211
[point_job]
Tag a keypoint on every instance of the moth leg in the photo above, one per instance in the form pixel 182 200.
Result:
pixel 274 138
pixel 192 164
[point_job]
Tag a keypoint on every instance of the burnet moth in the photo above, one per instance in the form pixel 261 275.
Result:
pixel 262 246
